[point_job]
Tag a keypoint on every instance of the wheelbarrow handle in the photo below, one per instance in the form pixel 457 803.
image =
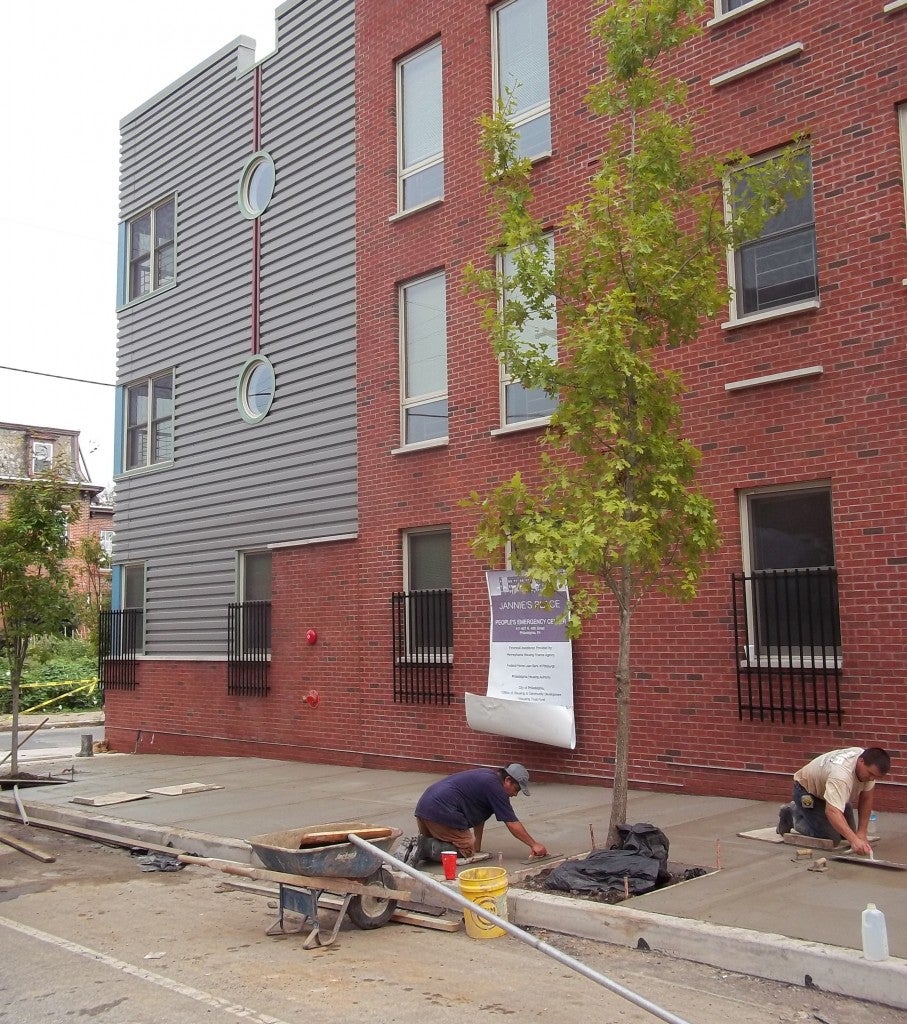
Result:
pixel 335 885
pixel 229 867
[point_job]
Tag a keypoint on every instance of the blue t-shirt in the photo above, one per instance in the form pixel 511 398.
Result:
pixel 466 799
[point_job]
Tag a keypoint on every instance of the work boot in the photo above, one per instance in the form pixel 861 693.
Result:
pixel 408 849
pixel 431 849
pixel 785 819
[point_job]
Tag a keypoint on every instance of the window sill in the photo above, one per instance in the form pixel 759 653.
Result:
pixel 894 7
pixel 751 68
pixel 144 298
pixel 516 428
pixel 770 314
pixel 421 446
pixel 774 378
pixel 140 470
pixel 423 662
pixel 721 19
pixel 807 663
pixel 403 214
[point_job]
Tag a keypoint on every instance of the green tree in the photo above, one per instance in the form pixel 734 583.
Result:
pixel 92 563
pixel 34 586
pixel 615 511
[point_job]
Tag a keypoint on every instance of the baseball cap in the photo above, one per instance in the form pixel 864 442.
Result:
pixel 519 774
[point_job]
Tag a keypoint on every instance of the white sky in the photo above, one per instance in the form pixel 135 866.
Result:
pixel 71 69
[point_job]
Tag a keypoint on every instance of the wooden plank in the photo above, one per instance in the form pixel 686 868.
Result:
pixel 108 798
pixel 336 885
pixel 107 838
pixel 185 789
pixel 329 837
pixel 795 839
pixel 27 848
pixel 416 918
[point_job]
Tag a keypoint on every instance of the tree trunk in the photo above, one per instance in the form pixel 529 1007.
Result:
pixel 14 733
pixel 622 739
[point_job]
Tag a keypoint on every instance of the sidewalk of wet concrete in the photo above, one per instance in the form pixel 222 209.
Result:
pixel 759 910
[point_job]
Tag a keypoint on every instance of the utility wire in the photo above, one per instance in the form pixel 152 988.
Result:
pixel 57 376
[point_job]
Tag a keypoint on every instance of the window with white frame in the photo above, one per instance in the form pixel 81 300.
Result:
pixel 423 355
pixel 133 601
pixel 427 582
pixel 255 576
pixel 105 539
pixel 42 457
pixel 726 6
pixel 520 69
pixel 253 616
pixel 149 422
pixel 789 564
pixel 420 129
pixel 778 268
pixel 150 248
pixel 519 403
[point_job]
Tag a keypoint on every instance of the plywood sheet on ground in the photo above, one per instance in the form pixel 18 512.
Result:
pixel 765 835
pixel 108 798
pixel 184 789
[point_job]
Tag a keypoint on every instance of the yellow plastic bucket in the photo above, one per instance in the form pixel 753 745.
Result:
pixel 486 887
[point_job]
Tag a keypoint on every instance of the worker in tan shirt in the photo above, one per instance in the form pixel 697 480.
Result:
pixel 824 791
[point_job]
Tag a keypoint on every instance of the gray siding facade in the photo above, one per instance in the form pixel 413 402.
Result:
pixel 291 478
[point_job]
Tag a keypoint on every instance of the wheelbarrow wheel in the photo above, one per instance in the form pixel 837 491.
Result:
pixel 372 911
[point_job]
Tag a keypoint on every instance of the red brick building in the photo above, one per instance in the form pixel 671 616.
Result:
pixel 806 395
pixel 795 395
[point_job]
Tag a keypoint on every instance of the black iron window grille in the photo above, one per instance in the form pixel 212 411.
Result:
pixel 119 643
pixel 787 637
pixel 248 648
pixel 422 623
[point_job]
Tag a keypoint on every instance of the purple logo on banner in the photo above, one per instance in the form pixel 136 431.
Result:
pixel 521 616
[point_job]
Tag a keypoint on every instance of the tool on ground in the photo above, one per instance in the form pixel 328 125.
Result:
pixel 867 862
pixel 543 860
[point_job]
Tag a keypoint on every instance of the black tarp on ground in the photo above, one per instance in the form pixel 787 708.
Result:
pixel 641 859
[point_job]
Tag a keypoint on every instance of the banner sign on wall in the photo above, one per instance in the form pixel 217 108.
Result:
pixel 530 668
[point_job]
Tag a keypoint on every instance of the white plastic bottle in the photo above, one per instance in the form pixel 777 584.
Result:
pixel 875 934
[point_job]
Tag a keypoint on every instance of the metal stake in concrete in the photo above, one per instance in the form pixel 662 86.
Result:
pixel 518 933
pixel 87 745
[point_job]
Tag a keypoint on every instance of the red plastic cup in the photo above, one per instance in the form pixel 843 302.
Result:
pixel 449 860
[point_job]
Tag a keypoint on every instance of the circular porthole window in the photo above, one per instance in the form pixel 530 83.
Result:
pixel 256 185
pixel 255 390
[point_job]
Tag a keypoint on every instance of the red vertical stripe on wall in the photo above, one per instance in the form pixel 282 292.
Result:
pixel 256 223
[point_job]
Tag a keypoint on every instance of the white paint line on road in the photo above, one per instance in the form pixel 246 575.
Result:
pixel 139 972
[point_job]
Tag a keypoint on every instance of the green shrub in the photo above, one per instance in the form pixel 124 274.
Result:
pixel 56 660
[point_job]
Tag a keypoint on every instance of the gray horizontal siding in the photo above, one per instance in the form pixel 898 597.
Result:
pixel 292 477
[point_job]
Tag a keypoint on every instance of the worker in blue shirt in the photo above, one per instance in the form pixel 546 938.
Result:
pixel 452 812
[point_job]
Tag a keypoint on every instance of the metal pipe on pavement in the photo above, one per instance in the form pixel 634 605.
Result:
pixel 523 936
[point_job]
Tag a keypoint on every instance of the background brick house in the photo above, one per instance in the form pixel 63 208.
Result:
pixel 28 451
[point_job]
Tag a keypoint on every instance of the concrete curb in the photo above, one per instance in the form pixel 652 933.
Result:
pixel 57 720
pixel 775 957
pixel 137 833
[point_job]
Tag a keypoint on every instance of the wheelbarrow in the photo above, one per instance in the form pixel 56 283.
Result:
pixel 308 862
